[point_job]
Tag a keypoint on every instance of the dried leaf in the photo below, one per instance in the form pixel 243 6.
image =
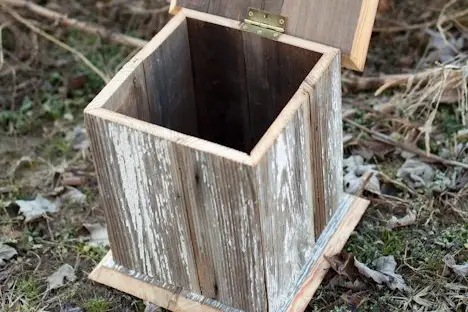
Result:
pixel 78 138
pixel 395 222
pixel 343 264
pixel 98 235
pixel 459 269
pixel 73 195
pixel 416 173
pixel 34 209
pixel 6 253
pixel 384 273
pixel 56 280
pixel 356 171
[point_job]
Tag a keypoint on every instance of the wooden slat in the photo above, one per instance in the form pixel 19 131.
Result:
pixel 324 91
pixel 220 84
pixel 143 196
pixel 274 73
pixel 169 81
pixel 286 191
pixel 225 222
pixel 343 24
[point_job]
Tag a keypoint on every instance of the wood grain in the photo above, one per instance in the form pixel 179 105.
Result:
pixel 143 196
pixel 343 24
pixel 351 209
pixel 149 289
pixel 274 72
pixel 223 210
pixel 169 83
pixel 286 191
pixel 330 243
pixel 324 91
pixel 220 84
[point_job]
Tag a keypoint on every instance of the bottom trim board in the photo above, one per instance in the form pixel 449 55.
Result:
pixel 331 242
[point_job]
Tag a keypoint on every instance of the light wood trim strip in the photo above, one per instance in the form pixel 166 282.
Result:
pixel 357 58
pixel 172 298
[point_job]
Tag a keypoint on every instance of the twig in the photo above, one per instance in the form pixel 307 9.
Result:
pixel 414 150
pixel 58 42
pixel 6 24
pixel 142 11
pixel 442 19
pixel 86 27
pixel 384 82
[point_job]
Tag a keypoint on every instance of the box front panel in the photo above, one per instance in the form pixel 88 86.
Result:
pixel 142 194
pixel 224 217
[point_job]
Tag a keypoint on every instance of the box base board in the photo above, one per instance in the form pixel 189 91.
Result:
pixel 331 242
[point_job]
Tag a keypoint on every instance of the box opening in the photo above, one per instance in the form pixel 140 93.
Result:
pixel 218 83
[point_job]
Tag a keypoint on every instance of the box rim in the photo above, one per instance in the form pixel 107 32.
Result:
pixel 96 106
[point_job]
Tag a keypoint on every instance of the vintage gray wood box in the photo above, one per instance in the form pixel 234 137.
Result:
pixel 219 156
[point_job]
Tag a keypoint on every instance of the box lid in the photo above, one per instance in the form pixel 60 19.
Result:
pixel 343 24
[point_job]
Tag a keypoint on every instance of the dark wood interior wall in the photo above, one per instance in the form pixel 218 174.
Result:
pixel 160 90
pixel 220 84
pixel 242 82
pixel 169 84
pixel 274 73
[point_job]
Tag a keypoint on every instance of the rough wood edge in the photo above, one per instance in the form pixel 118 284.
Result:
pixel 96 106
pixel 172 298
pixel 357 58
pixel 171 135
pixel 235 24
pixel 300 97
pixel 106 93
pixel 331 242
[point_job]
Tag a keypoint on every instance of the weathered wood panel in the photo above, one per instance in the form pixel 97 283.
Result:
pixel 220 84
pixel 343 24
pixel 274 73
pixel 286 191
pixel 324 90
pixel 169 83
pixel 223 210
pixel 143 196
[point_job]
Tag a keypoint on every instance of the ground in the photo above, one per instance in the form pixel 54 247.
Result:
pixel 44 88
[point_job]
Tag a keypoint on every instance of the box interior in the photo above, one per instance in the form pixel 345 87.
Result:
pixel 218 83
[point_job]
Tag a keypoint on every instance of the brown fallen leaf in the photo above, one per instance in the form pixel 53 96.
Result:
pixel 395 222
pixel 343 264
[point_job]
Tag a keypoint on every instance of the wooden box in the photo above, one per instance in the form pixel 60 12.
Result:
pixel 219 155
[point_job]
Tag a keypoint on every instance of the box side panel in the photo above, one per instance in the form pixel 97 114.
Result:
pixel 220 84
pixel 142 195
pixel 285 188
pixel 169 82
pixel 223 211
pixel 324 90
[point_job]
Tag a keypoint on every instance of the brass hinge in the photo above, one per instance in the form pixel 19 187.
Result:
pixel 264 23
